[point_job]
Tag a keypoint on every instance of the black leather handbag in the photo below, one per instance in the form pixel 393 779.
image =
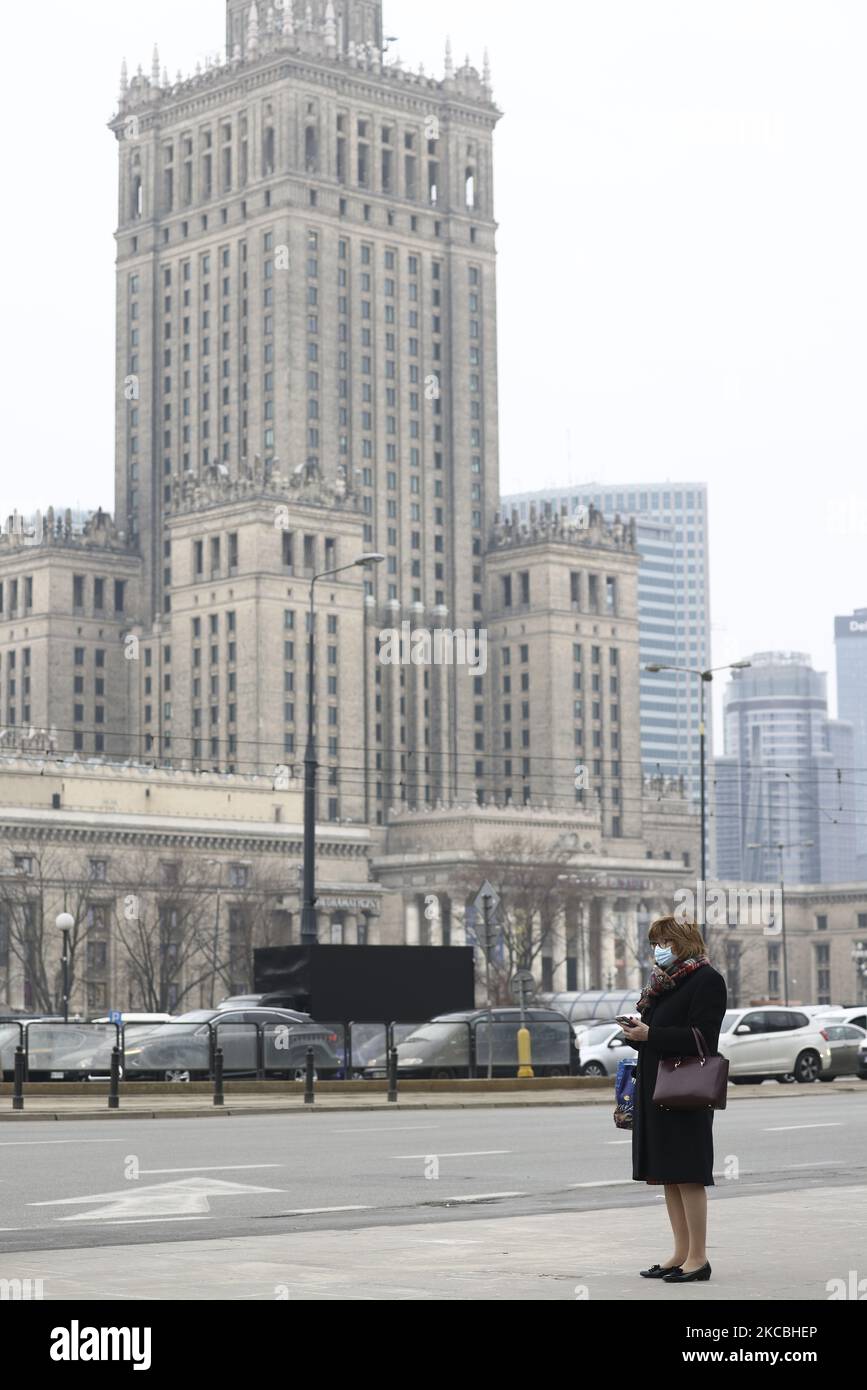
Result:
pixel 692 1083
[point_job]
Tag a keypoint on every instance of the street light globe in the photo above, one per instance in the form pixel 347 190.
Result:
pixel 65 921
pixel 374 558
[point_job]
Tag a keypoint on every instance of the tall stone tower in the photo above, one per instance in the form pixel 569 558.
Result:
pixel 306 285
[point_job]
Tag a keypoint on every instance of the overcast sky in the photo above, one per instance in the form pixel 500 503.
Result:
pixel 682 291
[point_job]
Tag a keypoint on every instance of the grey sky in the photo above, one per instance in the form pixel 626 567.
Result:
pixel 683 289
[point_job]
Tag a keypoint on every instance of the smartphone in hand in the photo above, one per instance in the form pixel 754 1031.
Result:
pixel 626 1020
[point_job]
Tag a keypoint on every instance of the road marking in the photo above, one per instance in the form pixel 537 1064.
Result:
pixel 19 1143
pixel 604 1182
pixel 823 1163
pixel 187 1197
pixel 485 1196
pixel 151 1220
pixel 379 1129
pixel 320 1211
pixel 468 1153
pixel 215 1168
pixel 825 1124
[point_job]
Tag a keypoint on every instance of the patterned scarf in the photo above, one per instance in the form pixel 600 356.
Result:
pixel 662 980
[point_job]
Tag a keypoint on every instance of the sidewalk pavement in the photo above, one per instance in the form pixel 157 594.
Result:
pixel 583 1255
pixel 182 1104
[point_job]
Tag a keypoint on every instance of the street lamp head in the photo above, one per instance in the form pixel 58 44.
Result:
pixel 65 921
pixel 373 559
pixel 654 668
pixel 740 665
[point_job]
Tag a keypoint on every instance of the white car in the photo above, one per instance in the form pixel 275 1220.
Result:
pixel 602 1047
pixel 855 1013
pixel 773 1042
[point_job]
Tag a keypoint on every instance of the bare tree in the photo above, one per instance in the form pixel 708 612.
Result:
pixel 40 885
pixel 528 877
pixel 164 924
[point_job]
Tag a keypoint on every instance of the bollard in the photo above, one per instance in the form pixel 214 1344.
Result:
pixel 392 1075
pixel 18 1089
pixel 114 1079
pixel 525 1052
pixel 308 1079
pixel 218 1077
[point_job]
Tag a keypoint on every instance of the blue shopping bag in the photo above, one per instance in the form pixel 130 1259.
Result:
pixel 624 1093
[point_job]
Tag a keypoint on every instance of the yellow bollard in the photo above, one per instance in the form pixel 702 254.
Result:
pixel 525 1055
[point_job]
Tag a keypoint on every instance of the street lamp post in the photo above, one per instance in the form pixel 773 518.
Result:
pixel 706 678
pixel 308 911
pixel 64 923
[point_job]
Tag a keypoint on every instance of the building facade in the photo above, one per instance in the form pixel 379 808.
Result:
pixel 785 805
pixel 850 640
pixel 671 521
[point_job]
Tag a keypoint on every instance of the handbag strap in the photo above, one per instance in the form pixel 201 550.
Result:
pixel 700 1043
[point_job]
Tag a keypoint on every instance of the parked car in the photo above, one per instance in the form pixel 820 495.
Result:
pixel 181 1050
pixel 862 1061
pixel 602 1047
pixel 440 1049
pixel 279 999
pixel 773 1043
pixel 851 1013
pixel 845 1041
pixel 56 1051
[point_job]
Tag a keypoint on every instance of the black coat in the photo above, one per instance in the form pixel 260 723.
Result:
pixel 673 1146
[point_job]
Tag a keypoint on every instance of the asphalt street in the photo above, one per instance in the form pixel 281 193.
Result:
pixel 111 1183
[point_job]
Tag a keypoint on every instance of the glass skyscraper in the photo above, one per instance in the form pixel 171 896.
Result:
pixel 674 606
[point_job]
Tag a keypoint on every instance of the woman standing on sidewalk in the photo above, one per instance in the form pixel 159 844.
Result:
pixel 674 1148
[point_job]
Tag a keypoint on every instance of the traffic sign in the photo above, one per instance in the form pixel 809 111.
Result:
pixel 486 891
pixel 522 983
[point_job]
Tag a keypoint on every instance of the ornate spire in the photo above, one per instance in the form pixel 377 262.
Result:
pixel 165 76
pixel 486 72
pixel 289 18
pixel 308 17
pixel 124 80
pixel 253 30
pixel 329 27
pixel 269 20
pixel 450 64
pixel 155 67
pixel 350 52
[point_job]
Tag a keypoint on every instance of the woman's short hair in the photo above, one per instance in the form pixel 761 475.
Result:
pixel 684 936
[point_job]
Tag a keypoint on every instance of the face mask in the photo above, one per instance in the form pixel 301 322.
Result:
pixel 663 955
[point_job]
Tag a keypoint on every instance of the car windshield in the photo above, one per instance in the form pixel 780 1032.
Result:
pixel 728 1022
pixel 598 1034
pixel 432 1032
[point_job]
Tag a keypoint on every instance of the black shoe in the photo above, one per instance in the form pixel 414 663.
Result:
pixel 678 1276
pixel 658 1271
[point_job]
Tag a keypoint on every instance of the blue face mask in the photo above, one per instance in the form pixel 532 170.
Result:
pixel 663 955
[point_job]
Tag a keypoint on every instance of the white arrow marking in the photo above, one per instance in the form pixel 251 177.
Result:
pixel 183 1198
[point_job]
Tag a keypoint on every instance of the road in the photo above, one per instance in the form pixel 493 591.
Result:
pixel 115 1183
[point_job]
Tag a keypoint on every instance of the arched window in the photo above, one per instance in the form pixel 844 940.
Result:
pixel 470 188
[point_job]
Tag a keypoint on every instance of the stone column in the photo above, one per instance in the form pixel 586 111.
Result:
pixel 607 932
pixel 413 925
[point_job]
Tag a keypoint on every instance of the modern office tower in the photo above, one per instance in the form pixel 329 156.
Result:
pixel 850 637
pixel 785 779
pixel 673 605
pixel 306 289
